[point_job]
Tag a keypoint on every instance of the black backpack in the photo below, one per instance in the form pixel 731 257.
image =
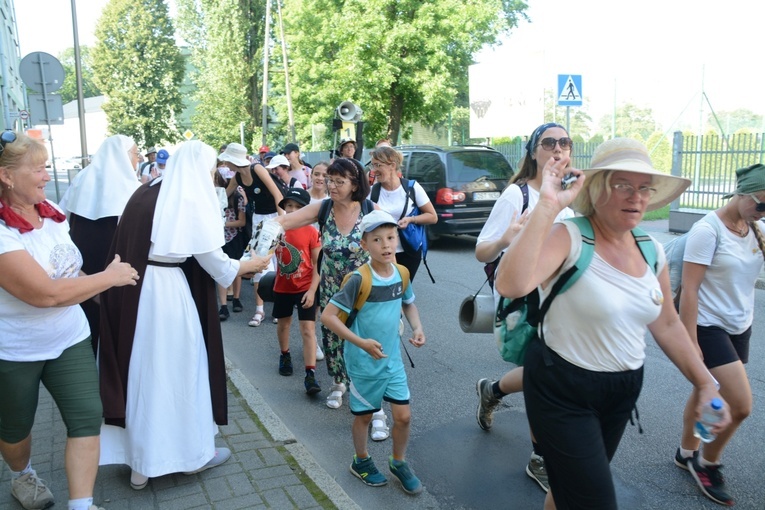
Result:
pixel 491 268
pixel 367 206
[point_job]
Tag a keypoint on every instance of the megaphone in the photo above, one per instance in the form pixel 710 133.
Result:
pixel 348 112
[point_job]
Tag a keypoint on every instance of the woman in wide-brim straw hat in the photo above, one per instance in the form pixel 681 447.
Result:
pixel 581 384
pixel 723 259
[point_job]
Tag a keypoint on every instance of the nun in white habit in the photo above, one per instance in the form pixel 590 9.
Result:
pixel 93 204
pixel 169 423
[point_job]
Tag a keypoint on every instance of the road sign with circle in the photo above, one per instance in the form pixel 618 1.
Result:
pixel 23 114
pixel 41 72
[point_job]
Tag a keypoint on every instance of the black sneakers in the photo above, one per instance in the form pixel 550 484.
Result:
pixel 223 313
pixel 285 364
pixel 236 305
pixel 682 462
pixel 311 386
pixel 711 482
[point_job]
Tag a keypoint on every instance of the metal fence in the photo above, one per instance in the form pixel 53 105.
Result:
pixel 710 162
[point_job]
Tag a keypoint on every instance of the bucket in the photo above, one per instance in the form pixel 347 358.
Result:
pixel 477 314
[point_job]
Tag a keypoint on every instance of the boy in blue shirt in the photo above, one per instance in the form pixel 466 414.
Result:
pixel 372 354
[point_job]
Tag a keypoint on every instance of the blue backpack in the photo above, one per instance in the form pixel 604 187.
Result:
pixel 414 238
pixel 517 320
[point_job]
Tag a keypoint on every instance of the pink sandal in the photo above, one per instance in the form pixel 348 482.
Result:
pixel 256 319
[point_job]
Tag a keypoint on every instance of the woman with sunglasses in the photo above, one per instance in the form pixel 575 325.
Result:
pixel 720 267
pixel 548 141
pixel 341 251
pixel 44 335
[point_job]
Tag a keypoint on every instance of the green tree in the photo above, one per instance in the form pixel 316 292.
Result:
pixel 139 68
pixel 741 120
pixel 227 50
pixel 399 60
pixel 631 122
pixel 68 90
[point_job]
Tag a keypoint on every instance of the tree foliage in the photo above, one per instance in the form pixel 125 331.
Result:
pixel 139 68
pixel 226 38
pixel 741 120
pixel 68 90
pixel 399 60
pixel 631 122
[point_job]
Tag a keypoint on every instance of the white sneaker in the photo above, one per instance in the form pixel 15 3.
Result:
pixel 335 398
pixel 319 353
pixel 138 481
pixel 31 491
pixel 380 430
pixel 221 456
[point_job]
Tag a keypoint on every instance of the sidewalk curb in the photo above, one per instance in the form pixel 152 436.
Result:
pixel 281 433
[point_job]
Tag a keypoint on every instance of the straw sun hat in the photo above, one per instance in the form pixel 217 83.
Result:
pixel 627 155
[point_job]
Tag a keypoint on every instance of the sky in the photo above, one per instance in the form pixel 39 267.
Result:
pixel 655 54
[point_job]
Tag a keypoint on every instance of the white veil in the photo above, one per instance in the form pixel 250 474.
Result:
pixel 187 218
pixel 103 188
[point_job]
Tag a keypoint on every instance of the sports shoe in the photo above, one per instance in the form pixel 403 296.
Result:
pixel 401 470
pixel 366 471
pixel 319 353
pixel 221 456
pixel 223 313
pixel 311 386
pixel 487 402
pixel 285 364
pixel 537 472
pixel 31 491
pixel 236 305
pixel 711 482
pixel 682 462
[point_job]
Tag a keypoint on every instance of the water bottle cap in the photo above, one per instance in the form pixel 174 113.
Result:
pixel 716 404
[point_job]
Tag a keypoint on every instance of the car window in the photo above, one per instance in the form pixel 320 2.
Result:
pixel 470 166
pixel 425 167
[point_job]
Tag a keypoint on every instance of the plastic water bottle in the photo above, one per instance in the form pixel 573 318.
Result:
pixel 711 414
pixel 268 238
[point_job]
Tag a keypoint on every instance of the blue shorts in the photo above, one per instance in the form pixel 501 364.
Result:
pixel 366 395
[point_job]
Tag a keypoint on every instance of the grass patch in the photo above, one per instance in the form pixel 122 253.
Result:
pixel 658 214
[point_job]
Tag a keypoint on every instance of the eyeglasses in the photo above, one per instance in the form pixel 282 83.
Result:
pixel 378 166
pixel 549 143
pixel 627 190
pixel 5 138
pixel 760 207
pixel 337 183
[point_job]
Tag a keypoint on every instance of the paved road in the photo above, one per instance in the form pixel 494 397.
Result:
pixel 464 467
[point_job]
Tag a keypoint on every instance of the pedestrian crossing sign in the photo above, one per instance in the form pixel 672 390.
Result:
pixel 569 90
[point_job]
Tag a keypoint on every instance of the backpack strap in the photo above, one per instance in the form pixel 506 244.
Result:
pixel 326 205
pixel 375 193
pixel 365 270
pixel 647 248
pixel 525 191
pixel 367 206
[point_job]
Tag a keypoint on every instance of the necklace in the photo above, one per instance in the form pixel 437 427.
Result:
pixel 741 232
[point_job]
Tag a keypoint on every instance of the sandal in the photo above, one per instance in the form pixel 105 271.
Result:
pixel 335 398
pixel 256 319
pixel 380 430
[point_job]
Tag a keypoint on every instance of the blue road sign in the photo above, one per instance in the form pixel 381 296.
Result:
pixel 569 90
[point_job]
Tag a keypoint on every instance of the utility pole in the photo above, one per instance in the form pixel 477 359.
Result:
pixel 80 100
pixel 286 73
pixel 265 72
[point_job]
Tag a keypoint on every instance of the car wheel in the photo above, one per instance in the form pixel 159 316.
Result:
pixel 432 236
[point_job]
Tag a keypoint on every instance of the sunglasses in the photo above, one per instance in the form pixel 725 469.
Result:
pixel 5 138
pixel 549 143
pixel 760 207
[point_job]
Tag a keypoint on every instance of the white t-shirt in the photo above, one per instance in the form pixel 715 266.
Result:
pixel 509 202
pixel 28 333
pixel 726 294
pixel 600 322
pixel 393 202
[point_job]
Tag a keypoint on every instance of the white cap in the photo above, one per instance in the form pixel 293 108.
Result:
pixel 375 219
pixel 278 160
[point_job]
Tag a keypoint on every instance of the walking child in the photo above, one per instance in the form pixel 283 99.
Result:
pixel 297 279
pixel 372 354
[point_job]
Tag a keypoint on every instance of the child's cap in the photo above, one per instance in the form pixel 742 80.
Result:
pixel 376 219
pixel 299 195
